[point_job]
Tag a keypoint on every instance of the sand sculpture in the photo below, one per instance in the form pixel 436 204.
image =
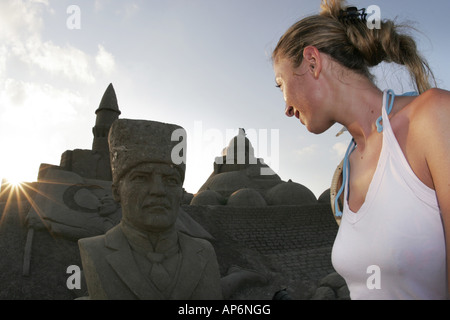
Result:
pixel 268 234
pixel 145 256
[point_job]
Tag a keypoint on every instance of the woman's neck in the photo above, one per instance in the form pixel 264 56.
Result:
pixel 360 104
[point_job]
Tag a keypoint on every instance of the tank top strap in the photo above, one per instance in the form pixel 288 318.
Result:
pixel 345 173
pixel 421 190
pixel 388 103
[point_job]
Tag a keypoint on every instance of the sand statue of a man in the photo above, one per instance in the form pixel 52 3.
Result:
pixel 145 256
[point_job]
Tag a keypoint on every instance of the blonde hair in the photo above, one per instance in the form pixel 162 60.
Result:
pixel 353 44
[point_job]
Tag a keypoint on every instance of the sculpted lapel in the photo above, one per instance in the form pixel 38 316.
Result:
pixel 191 270
pixel 123 263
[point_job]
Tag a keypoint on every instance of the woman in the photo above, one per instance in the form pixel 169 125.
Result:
pixel 396 202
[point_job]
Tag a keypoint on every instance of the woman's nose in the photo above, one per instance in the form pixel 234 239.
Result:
pixel 289 111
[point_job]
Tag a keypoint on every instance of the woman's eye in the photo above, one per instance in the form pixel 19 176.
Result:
pixel 279 86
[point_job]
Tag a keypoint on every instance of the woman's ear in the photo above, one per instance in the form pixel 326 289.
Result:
pixel 313 59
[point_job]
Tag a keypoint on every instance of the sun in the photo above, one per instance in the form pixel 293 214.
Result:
pixel 14 182
pixel 11 186
pixel 16 196
pixel 17 174
pixel 14 179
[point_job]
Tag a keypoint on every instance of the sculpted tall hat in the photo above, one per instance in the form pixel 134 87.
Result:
pixel 132 142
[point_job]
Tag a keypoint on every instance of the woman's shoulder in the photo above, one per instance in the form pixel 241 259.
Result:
pixel 428 118
pixel 430 108
pixel 435 99
pixel 436 95
pixel 422 129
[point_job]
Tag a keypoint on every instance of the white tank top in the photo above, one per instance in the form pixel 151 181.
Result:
pixel 394 246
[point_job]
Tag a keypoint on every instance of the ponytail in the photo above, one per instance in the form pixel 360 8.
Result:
pixel 353 44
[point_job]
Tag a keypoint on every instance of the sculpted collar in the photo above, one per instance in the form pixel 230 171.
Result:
pixel 166 243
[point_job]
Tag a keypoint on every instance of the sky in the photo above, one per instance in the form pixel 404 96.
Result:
pixel 201 64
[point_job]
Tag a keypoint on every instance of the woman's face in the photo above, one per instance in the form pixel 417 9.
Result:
pixel 302 94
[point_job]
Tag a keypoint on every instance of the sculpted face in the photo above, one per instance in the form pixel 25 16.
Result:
pixel 150 194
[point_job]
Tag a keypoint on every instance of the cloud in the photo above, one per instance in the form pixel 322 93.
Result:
pixel 339 150
pixel 99 5
pixel 36 103
pixel 127 11
pixel 3 56
pixel 20 34
pixel 105 60
pixel 30 115
pixel 67 61
pixel 45 2
pixel 35 77
pixel 19 19
pixel 130 10
pixel 308 151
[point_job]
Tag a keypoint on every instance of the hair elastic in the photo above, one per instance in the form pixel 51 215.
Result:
pixel 352 14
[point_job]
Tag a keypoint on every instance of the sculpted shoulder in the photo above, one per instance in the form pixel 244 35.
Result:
pixel 92 243
pixel 103 243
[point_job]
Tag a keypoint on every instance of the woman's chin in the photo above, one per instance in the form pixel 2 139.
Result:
pixel 315 129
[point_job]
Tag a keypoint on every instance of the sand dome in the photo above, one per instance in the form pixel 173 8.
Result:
pixel 246 197
pixel 325 197
pixel 227 182
pixel 238 144
pixel 290 193
pixel 208 198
